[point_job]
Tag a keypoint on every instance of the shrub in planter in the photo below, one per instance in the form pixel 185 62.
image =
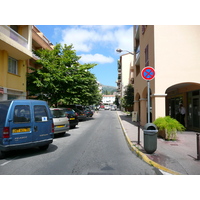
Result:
pixel 168 127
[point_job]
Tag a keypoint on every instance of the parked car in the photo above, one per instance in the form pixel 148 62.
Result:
pixel 25 124
pixel 72 116
pixel 81 114
pixel 106 107
pixel 88 112
pixel 61 122
pixel 113 107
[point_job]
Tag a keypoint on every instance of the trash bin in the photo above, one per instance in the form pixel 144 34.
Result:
pixel 150 138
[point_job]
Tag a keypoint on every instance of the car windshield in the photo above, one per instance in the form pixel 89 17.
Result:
pixel 58 113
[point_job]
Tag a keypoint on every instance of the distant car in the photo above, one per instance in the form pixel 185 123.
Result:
pixel 102 107
pixel 113 108
pixel 73 117
pixel 60 120
pixel 106 107
pixel 81 114
pixel 88 112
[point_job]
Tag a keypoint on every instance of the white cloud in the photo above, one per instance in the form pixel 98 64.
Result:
pixel 96 58
pixel 86 38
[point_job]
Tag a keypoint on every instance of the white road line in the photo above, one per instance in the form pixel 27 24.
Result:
pixel 164 173
pixel 5 163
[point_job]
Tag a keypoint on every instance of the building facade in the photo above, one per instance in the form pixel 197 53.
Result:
pixel 15 50
pixel 17 46
pixel 173 51
pixel 108 99
pixel 125 64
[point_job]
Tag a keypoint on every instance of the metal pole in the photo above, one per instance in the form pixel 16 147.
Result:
pixel 148 101
pixel 139 132
pixel 198 156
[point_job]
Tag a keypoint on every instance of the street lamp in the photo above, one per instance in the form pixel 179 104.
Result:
pixel 120 50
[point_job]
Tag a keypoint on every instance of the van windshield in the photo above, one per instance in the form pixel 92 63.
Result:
pixel 3 112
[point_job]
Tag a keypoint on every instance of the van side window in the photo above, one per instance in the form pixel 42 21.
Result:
pixel 22 114
pixel 40 113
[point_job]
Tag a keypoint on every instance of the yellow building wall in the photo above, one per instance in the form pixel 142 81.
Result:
pixel 12 81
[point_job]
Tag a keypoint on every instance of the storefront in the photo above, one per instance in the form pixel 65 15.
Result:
pixel 193 114
pixel 191 102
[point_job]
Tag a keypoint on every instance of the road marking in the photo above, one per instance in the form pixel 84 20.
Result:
pixel 164 173
pixel 5 163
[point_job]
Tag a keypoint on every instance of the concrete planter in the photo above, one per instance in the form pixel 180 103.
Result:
pixel 172 135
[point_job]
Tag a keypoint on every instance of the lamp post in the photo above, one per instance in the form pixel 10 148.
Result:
pixel 120 50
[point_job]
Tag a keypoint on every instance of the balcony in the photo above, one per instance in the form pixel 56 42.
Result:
pixel 15 44
pixel 6 30
pixel 137 57
pixel 137 32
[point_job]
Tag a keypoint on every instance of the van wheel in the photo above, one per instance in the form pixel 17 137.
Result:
pixel 45 147
pixel 2 154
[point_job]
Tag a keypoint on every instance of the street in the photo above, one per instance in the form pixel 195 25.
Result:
pixel 95 147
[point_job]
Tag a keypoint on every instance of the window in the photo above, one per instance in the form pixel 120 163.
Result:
pixel 22 114
pixel 40 113
pixel 12 66
pixel 147 55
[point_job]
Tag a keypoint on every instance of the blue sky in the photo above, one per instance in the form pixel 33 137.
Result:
pixel 95 44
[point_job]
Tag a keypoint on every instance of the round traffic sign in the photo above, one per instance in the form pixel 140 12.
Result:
pixel 148 73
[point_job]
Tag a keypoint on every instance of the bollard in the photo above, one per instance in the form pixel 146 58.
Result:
pixel 198 156
pixel 138 132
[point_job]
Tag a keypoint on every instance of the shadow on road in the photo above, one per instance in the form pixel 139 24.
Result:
pixel 23 153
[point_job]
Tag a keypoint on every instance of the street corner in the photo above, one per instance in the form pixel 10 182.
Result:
pixel 140 152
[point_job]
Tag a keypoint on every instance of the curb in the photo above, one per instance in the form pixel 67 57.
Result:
pixel 142 155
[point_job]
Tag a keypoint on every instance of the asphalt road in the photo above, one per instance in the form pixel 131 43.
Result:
pixel 95 147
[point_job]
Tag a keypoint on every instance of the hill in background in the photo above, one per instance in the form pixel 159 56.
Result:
pixel 108 89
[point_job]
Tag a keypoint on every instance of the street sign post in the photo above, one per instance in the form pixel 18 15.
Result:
pixel 148 73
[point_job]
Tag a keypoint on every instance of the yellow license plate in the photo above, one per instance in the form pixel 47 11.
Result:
pixel 61 126
pixel 72 118
pixel 20 130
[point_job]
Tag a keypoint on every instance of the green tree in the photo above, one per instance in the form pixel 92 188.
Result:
pixel 60 78
pixel 129 95
pixel 116 102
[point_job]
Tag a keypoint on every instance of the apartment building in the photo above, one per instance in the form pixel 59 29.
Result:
pixel 173 51
pixel 15 50
pixel 17 46
pixel 39 41
pixel 108 99
pixel 125 64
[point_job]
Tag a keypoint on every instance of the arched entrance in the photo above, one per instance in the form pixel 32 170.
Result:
pixel 189 95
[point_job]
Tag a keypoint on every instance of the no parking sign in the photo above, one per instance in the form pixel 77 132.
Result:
pixel 148 73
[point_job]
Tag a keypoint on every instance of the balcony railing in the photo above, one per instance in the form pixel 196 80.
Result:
pixel 6 30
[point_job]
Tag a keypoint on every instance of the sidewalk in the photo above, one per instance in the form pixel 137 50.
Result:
pixel 173 157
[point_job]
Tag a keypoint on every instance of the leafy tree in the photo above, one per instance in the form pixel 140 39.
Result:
pixel 129 95
pixel 127 100
pixel 116 102
pixel 60 78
